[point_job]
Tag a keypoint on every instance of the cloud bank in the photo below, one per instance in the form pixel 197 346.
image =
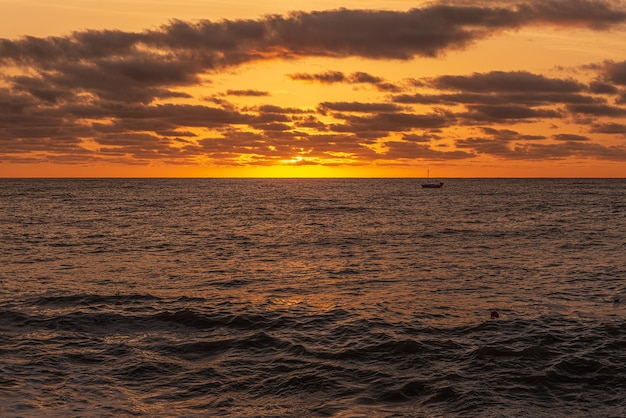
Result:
pixel 124 96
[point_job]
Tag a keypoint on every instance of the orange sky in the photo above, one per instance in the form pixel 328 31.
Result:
pixel 313 88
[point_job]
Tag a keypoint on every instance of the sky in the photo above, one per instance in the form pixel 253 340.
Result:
pixel 359 88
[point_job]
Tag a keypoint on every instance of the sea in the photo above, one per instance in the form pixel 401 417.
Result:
pixel 312 298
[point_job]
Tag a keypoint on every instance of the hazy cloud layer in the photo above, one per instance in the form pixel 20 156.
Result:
pixel 113 95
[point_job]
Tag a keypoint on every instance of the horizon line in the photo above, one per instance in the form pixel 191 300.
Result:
pixel 301 178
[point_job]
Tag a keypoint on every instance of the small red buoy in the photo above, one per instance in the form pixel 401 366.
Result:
pixel 495 314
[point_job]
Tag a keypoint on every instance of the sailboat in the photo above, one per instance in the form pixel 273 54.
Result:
pixel 432 184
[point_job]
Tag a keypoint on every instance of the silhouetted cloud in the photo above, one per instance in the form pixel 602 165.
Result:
pixel 394 122
pixel 597 109
pixel 499 88
pixel 333 77
pixel 510 135
pixel 328 77
pixel 176 54
pixel 507 113
pixel 249 92
pixel 570 137
pixel 615 72
pixel 541 151
pixel 501 81
pixel 399 150
pixel 118 95
pixel 324 107
pixel 600 87
pixel 609 128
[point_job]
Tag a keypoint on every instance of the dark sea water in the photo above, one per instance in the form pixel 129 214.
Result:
pixel 312 298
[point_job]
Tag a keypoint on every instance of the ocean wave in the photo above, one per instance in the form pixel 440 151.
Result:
pixel 267 354
pixel 269 298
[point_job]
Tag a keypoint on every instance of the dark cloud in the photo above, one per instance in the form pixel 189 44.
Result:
pixel 176 134
pixel 143 66
pixel 571 149
pixel 378 82
pixel 329 145
pixel 115 88
pixel 501 81
pixel 393 122
pixel 510 135
pixel 40 90
pixel 596 109
pixel 143 141
pixel 274 126
pixel 615 72
pixel 507 113
pixel 430 30
pixel 280 110
pixel 600 87
pixel 360 77
pixel 328 77
pixel 570 137
pixel 540 151
pixel 128 124
pixel 262 149
pixel 529 98
pixel 324 107
pixel 398 150
pixel 609 128
pixel 250 93
pixel 438 99
pixel 595 14
pixel 202 45
pixel 13 104
pixel 497 148
pixel 423 138
pixel 333 77
pixel 504 95
pixel 310 122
